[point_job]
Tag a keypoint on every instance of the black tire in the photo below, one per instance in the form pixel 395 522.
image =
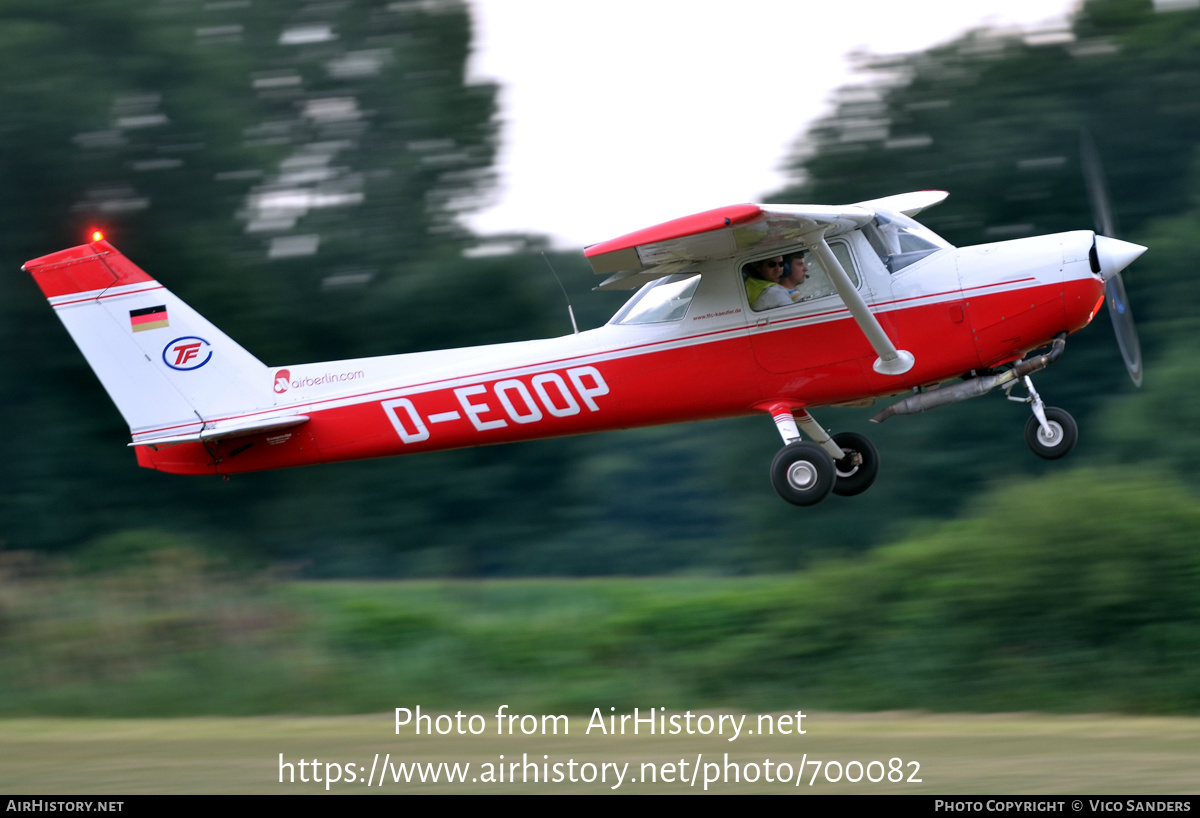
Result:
pixel 1060 443
pixel 854 478
pixel 803 473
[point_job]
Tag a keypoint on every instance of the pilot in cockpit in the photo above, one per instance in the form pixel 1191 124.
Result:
pixel 776 282
pixel 762 284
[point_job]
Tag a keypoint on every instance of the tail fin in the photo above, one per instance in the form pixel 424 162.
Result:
pixel 173 375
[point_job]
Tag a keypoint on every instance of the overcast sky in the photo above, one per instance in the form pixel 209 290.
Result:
pixel 624 113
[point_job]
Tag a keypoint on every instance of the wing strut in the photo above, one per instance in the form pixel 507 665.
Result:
pixel 891 361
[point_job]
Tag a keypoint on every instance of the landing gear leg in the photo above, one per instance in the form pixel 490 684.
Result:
pixel 1051 433
pixel 804 474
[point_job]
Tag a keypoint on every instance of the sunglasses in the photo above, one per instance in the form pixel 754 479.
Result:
pixel 772 263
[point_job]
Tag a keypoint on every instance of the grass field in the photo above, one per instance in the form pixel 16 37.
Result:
pixel 178 675
pixel 992 754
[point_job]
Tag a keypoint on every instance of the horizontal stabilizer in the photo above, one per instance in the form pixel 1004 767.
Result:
pixel 227 429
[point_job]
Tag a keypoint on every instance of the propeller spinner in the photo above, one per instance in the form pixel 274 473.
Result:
pixel 1111 257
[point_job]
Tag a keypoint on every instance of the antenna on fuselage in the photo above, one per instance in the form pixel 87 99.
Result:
pixel 570 311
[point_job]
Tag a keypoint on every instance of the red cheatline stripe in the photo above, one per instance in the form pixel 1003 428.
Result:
pixel 100 295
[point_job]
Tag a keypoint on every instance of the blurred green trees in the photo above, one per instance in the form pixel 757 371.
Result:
pixel 1076 593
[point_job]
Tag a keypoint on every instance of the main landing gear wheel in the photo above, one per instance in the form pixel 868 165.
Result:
pixel 1062 438
pixel 803 473
pixel 858 469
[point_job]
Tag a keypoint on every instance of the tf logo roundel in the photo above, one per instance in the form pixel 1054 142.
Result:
pixel 187 353
pixel 282 381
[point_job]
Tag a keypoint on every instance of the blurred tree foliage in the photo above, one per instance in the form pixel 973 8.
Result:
pixel 1073 593
pixel 295 172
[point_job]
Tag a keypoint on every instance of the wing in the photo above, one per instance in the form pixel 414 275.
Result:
pixel 673 246
pixel 668 248
pixel 910 204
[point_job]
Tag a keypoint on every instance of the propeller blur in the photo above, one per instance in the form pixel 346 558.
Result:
pixel 1115 256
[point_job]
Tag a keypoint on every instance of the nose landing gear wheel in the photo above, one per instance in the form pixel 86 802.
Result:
pixel 1062 438
pixel 803 473
pixel 858 469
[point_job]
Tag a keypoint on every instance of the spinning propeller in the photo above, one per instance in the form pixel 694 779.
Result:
pixel 1111 256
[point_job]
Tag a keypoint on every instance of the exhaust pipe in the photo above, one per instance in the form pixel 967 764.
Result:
pixel 924 401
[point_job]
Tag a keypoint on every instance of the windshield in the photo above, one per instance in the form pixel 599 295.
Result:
pixel 665 299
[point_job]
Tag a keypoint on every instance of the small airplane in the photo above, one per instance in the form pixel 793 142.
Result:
pixel 885 308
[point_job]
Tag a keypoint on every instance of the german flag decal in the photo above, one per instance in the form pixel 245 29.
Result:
pixel 148 318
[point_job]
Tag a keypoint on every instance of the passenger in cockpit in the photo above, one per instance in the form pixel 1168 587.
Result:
pixel 795 270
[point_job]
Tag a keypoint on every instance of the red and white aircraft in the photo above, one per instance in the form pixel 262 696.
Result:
pixel 887 308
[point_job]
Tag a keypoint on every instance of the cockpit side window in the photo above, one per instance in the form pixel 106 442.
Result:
pixel 665 299
pixel 817 283
pixel 803 278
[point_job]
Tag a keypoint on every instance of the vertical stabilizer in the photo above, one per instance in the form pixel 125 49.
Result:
pixel 170 372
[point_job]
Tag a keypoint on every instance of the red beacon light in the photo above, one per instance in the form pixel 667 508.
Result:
pixel 97 235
